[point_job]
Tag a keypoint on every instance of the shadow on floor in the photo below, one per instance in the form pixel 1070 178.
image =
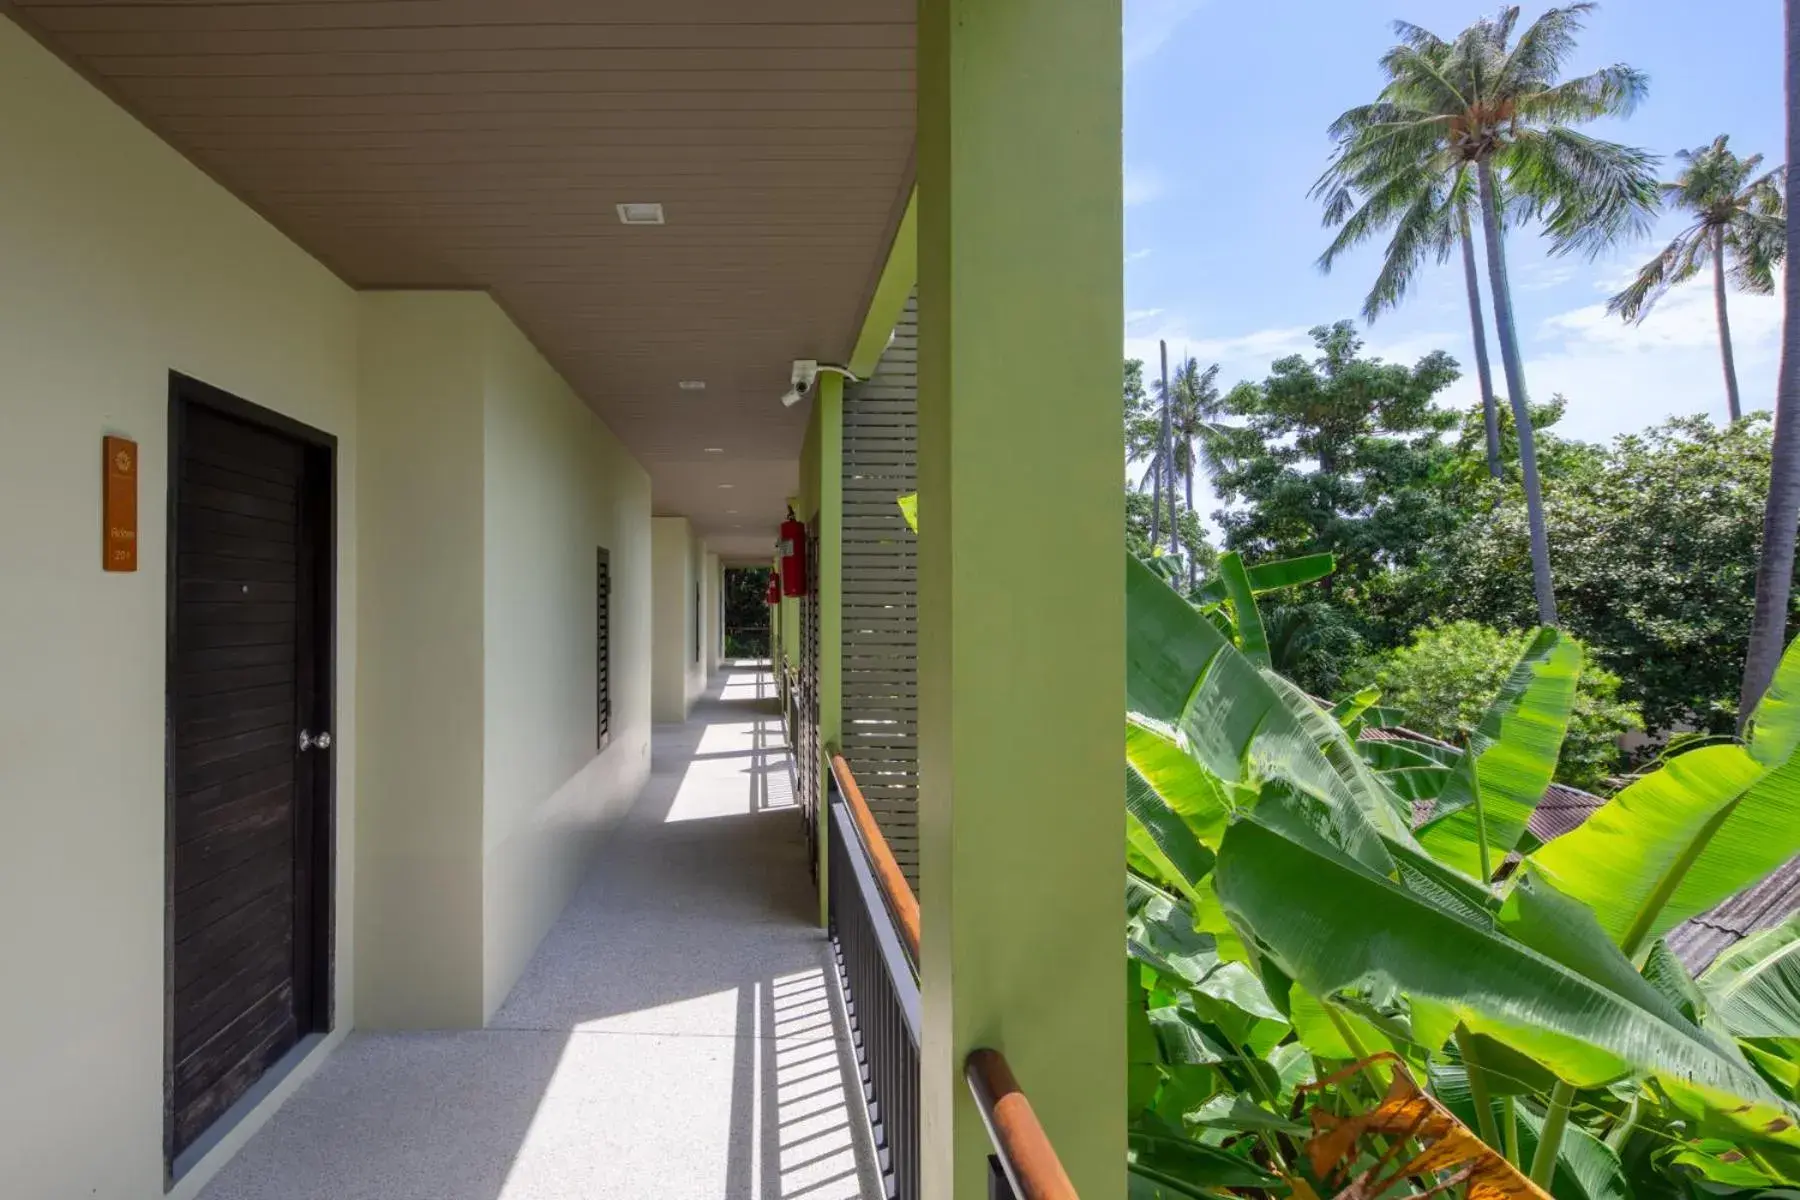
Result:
pixel 677 1034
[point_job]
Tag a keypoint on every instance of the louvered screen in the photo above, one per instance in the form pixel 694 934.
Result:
pixel 602 648
pixel 811 778
pixel 881 591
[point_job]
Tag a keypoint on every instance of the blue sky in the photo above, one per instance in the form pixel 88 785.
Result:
pixel 1220 237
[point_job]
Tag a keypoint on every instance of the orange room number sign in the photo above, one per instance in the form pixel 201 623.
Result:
pixel 120 517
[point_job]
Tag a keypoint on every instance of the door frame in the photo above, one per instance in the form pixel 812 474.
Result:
pixel 315 860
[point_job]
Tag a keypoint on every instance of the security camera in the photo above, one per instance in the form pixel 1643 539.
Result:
pixel 806 373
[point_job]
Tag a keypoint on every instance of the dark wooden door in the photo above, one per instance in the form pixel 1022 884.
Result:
pixel 249 782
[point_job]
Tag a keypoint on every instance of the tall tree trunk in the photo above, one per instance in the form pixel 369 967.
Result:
pixel 1168 447
pixel 1775 569
pixel 1490 408
pixel 1515 387
pixel 1193 567
pixel 1156 474
pixel 1731 387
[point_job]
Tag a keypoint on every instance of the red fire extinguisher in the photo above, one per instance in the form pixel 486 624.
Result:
pixel 792 550
pixel 774 589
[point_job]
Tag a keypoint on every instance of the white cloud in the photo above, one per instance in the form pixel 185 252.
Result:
pixel 1142 185
pixel 1620 377
pixel 1543 274
pixel 1138 316
pixel 1137 256
pixel 1684 319
pixel 1149 24
pixel 1240 356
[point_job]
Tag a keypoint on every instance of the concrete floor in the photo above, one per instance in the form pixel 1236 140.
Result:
pixel 678 1033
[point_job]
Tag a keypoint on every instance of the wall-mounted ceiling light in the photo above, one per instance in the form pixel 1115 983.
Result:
pixel 692 385
pixel 640 214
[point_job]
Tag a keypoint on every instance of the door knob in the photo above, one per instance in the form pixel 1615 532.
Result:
pixel 309 742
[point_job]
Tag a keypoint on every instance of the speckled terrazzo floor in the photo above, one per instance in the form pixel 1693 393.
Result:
pixel 676 1035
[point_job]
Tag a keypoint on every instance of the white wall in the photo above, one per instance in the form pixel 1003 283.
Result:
pixel 558 486
pixel 714 620
pixel 419 851
pixel 672 588
pixel 119 262
pixel 490 488
pixel 472 490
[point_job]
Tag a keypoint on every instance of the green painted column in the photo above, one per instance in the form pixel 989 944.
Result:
pixel 830 601
pixel 1021 605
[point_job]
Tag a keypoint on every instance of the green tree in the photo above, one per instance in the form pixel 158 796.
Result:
pixel 1194 409
pixel 1143 440
pixel 1497 106
pixel 1445 678
pixel 747 612
pixel 1741 216
pixel 1336 454
pixel 1190 535
pixel 1781 514
pixel 1429 217
pixel 1655 541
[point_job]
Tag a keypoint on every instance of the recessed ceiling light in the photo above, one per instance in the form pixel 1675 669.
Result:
pixel 692 385
pixel 715 450
pixel 728 485
pixel 640 214
pixel 731 512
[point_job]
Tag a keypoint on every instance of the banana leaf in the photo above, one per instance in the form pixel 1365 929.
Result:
pixel 1154 752
pixel 1753 989
pixel 1349 711
pixel 1666 974
pixel 1156 831
pixel 1238 1114
pixel 1387 755
pixel 1536 915
pixel 1677 841
pixel 909 510
pixel 1334 927
pixel 1774 726
pixel 1586 1168
pixel 1160 933
pixel 1252 638
pixel 1489 796
pixel 1182 672
pixel 1148 1185
pixel 1271 577
pixel 1684 837
pixel 1173 1159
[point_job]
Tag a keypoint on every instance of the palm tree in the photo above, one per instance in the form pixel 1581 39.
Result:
pixel 1195 406
pixel 1429 217
pixel 1499 108
pixel 1741 216
pixel 1775 569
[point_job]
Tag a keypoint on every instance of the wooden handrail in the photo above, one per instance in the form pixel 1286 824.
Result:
pixel 894 888
pixel 1026 1155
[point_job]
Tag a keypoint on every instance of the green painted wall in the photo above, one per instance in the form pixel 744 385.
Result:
pixel 828 415
pixel 1021 611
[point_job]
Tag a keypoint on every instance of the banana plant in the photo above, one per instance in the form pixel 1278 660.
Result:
pixel 1304 865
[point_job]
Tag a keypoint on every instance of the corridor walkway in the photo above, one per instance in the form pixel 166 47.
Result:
pixel 677 1034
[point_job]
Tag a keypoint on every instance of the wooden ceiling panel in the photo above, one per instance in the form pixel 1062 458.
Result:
pixel 485 143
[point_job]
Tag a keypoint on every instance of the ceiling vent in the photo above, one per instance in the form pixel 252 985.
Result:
pixel 640 214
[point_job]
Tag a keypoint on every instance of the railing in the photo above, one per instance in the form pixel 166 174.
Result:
pixel 880 976
pixel 1026 1166
pixel 875 926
